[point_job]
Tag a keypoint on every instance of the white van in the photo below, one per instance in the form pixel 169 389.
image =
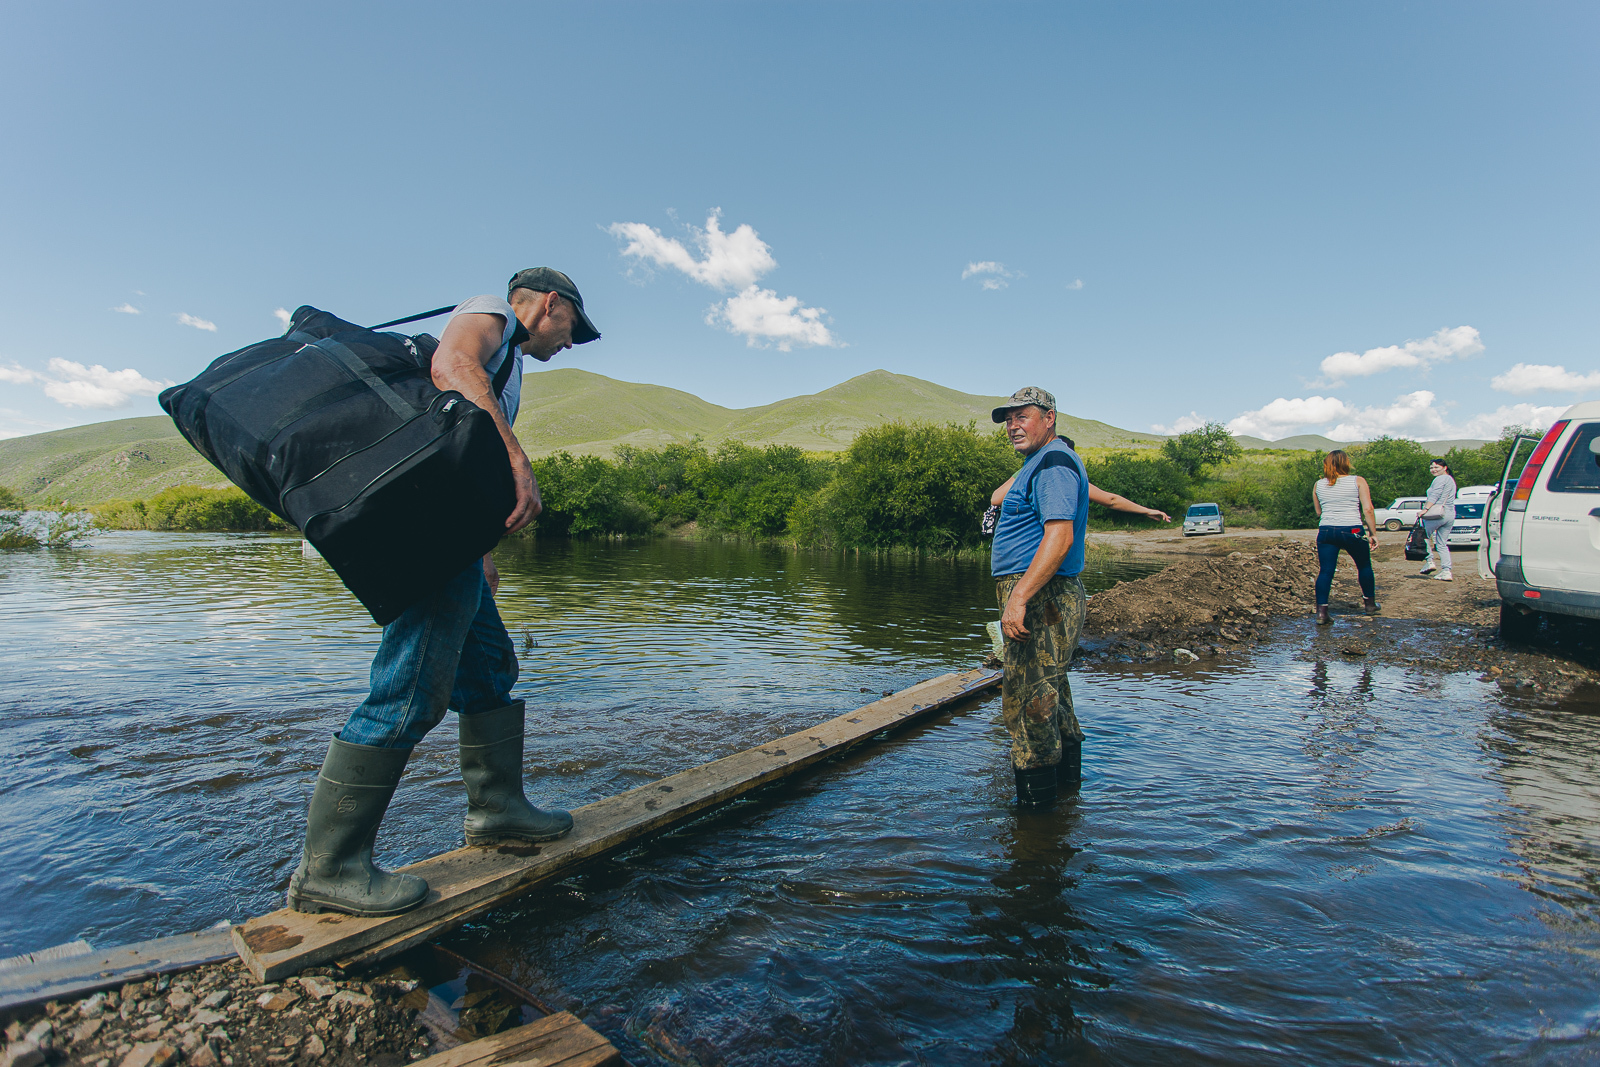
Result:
pixel 1544 533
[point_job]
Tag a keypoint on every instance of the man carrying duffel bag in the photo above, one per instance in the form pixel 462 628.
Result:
pixel 450 649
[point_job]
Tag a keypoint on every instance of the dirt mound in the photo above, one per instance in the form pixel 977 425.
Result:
pixel 1205 605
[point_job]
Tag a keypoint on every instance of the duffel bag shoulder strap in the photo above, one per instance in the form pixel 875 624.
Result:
pixel 357 366
pixel 502 376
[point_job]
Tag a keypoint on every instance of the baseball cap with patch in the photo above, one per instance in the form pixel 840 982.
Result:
pixel 1030 394
pixel 550 280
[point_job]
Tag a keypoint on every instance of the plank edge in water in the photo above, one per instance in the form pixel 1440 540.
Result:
pixel 468 881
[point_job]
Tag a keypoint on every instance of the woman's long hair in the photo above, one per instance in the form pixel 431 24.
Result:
pixel 1335 464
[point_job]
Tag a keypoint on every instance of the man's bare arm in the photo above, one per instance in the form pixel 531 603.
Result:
pixel 468 344
pixel 1053 548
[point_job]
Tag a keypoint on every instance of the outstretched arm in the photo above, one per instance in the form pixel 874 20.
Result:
pixel 1122 503
pixel 1366 509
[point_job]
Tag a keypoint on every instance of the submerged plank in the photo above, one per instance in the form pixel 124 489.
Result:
pixel 555 1041
pixel 469 881
pixel 99 969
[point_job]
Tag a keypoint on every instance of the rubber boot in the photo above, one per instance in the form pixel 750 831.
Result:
pixel 1036 787
pixel 336 871
pixel 1370 605
pixel 1322 615
pixel 491 765
pixel 1069 772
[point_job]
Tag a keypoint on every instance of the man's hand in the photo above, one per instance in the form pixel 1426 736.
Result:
pixel 528 503
pixel 491 574
pixel 1011 618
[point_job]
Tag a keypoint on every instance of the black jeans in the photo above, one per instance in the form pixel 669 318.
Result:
pixel 1330 539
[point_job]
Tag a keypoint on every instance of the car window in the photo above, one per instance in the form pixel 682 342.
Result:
pixel 1202 510
pixel 1414 503
pixel 1469 511
pixel 1578 470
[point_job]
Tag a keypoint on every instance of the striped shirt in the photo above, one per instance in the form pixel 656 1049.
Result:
pixel 1341 501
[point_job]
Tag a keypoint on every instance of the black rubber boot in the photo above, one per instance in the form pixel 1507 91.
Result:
pixel 1322 615
pixel 1069 772
pixel 336 871
pixel 1036 788
pixel 491 765
pixel 1370 605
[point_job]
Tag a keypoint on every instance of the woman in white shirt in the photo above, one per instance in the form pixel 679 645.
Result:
pixel 1343 501
pixel 1438 515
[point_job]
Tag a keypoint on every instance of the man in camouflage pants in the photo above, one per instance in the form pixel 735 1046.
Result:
pixel 1036 560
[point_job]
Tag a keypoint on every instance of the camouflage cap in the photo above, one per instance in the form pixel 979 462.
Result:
pixel 1028 394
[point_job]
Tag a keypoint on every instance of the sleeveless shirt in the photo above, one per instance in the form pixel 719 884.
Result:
pixel 1341 502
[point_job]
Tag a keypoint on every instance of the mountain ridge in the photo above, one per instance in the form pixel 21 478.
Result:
pixel 562 409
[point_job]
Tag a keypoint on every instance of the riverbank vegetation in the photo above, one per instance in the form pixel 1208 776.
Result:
pixel 20 528
pixel 904 486
pixel 189 508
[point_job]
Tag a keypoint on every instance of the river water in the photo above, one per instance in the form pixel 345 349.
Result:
pixel 1270 860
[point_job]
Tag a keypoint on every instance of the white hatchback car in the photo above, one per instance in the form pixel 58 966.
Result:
pixel 1203 519
pixel 1403 512
pixel 1544 534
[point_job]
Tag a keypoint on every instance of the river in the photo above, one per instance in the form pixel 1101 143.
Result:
pixel 1272 859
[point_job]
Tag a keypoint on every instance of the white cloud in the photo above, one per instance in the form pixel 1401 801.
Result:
pixel 1525 378
pixel 1455 342
pixel 283 316
pixel 1284 416
pixel 1076 283
pixel 732 261
pixel 991 275
pixel 1181 424
pixel 78 386
pixel 1491 423
pixel 1411 415
pixel 728 260
pixel 762 315
pixel 126 309
pixel 199 324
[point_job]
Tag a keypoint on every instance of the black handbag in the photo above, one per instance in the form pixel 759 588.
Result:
pixel 340 431
pixel 1417 543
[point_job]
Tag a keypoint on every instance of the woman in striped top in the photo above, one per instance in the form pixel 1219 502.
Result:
pixel 1343 501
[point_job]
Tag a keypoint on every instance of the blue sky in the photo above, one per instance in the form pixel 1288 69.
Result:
pixel 1344 218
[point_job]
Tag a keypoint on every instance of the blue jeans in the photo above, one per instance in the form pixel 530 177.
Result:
pixel 448 651
pixel 1436 535
pixel 1352 539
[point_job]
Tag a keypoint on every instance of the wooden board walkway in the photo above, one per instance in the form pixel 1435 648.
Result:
pixel 85 972
pixel 470 881
pixel 558 1040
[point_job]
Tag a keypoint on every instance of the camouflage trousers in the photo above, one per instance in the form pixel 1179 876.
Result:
pixel 1036 698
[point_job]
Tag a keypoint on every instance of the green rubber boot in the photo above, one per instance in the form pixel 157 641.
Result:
pixel 491 765
pixel 336 871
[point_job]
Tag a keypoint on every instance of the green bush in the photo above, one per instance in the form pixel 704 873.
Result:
pixel 1195 451
pixel 1393 467
pixel 52 529
pixel 187 508
pixel 1288 505
pixel 1153 480
pixel 913 485
pixel 585 496
pixel 10 500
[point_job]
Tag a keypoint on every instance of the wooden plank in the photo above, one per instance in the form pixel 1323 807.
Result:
pixel 469 881
pixel 555 1041
pixel 77 975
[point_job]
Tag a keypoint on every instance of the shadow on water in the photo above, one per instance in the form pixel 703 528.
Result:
pixel 1270 860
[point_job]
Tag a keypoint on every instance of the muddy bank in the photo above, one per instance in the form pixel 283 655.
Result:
pixel 1215 606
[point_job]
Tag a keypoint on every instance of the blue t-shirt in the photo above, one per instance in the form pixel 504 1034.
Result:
pixel 1049 486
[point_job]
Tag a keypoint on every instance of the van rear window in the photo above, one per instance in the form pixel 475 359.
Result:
pixel 1578 469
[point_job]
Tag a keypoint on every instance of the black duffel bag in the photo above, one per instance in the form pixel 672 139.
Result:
pixel 340 431
pixel 1417 543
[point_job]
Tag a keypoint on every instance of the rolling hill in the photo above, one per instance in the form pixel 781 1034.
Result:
pixel 564 408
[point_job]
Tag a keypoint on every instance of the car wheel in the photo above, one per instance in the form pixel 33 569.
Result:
pixel 1392 525
pixel 1517 625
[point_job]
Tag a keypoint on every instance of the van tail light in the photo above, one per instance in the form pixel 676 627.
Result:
pixel 1531 594
pixel 1524 489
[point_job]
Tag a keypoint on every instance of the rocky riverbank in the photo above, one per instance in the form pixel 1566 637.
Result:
pixel 220 1016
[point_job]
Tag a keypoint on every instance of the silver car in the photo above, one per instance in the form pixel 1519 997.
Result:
pixel 1202 519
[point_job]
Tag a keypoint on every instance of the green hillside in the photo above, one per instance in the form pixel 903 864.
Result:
pixel 561 409
pixel 103 461
pixel 1312 442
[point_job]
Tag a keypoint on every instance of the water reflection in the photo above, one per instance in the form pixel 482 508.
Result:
pixel 1270 860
